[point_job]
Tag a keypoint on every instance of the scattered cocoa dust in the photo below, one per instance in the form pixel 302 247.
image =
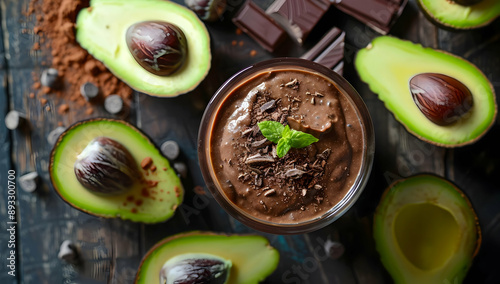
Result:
pixel 55 24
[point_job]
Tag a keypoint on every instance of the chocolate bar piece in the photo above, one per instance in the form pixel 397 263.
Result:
pixel 380 15
pixel 298 17
pixel 257 24
pixel 329 51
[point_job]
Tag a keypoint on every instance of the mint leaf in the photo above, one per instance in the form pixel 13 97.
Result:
pixel 299 139
pixel 272 130
pixel 286 132
pixel 283 147
pixel 285 137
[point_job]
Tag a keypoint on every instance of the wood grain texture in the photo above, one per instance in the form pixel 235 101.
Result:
pixel 112 249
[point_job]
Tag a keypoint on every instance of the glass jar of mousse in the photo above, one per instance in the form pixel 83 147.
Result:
pixel 309 187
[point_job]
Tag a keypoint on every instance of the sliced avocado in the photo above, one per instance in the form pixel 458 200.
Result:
pixel 426 231
pixel 388 64
pixel 252 258
pixel 101 30
pixel 153 197
pixel 451 14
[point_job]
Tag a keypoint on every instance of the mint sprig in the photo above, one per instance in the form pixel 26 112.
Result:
pixel 285 137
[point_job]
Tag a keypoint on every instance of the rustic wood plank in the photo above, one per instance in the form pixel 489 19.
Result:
pixel 45 221
pixel 475 168
pixel 8 244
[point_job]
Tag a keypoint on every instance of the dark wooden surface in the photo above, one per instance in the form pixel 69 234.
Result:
pixel 112 249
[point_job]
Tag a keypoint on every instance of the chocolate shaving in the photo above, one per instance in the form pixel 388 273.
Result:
pixel 294 173
pixel 269 192
pixel 261 143
pixel 258 159
pixel 267 106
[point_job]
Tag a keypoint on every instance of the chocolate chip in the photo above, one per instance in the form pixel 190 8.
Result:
pixel 113 104
pixel 54 135
pixel 181 169
pixel 334 249
pixel 170 149
pixel 50 78
pixel 68 252
pixel 89 91
pixel 14 120
pixel 29 182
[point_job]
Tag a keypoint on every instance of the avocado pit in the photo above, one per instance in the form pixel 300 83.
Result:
pixel 105 166
pixel 159 47
pixel 441 98
pixel 193 268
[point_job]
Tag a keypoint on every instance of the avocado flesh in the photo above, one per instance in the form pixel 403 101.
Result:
pixel 426 231
pixel 387 65
pixel 101 30
pixel 143 202
pixel 451 14
pixel 252 258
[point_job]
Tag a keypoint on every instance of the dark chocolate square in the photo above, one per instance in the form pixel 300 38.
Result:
pixel 257 24
pixel 298 17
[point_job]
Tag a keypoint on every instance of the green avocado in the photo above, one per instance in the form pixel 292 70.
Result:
pixel 252 258
pixel 451 14
pixel 155 193
pixel 101 30
pixel 426 231
pixel 388 64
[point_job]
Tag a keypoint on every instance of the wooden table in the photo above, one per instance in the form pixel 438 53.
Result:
pixel 112 249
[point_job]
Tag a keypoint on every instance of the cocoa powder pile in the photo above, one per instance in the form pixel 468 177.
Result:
pixel 55 26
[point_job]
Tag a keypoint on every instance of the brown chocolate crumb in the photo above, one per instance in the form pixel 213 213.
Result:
pixel 152 183
pixel 153 168
pixel 199 190
pixel 89 110
pixel 133 210
pixel 63 109
pixel 146 163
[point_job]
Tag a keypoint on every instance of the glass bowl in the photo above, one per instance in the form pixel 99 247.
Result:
pixel 216 105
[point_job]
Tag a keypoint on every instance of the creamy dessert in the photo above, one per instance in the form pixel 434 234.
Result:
pixel 305 183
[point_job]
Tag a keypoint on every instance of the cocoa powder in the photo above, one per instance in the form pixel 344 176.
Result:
pixel 55 26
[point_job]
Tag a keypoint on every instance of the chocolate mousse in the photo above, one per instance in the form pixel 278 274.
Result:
pixel 307 182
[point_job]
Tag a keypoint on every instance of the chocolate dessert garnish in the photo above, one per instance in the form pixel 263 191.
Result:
pixel 298 17
pixel 257 24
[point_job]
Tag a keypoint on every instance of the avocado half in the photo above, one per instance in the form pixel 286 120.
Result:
pixel 153 199
pixel 388 63
pixel 453 15
pixel 101 29
pixel 252 258
pixel 426 231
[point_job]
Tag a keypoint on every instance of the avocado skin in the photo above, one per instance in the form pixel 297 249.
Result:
pixel 146 204
pixel 387 64
pixel 252 257
pixel 429 190
pixel 451 15
pixel 101 30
